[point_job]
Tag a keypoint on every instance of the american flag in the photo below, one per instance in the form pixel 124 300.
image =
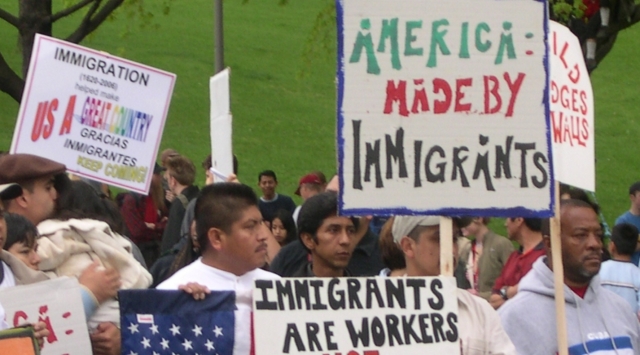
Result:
pixel 158 322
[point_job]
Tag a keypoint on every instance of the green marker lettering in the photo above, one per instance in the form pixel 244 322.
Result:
pixel 437 39
pixel 410 37
pixel 464 41
pixel 482 46
pixel 364 41
pixel 390 31
pixel 506 41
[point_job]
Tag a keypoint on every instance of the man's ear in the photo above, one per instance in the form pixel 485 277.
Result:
pixel 547 242
pixel 308 241
pixel 406 244
pixel 216 238
pixel 22 200
pixel 519 221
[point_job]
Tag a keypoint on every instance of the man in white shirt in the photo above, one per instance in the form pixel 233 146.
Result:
pixel 233 239
pixel 480 329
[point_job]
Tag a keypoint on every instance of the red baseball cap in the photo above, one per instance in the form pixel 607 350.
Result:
pixel 308 179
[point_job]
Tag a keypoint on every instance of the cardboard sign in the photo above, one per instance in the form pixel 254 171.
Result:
pixel 100 115
pixel 572 108
pixel 358 316
pixel 221 126
pixel 443 108
pixel 58 304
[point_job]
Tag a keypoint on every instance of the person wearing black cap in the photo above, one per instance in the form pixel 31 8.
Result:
pixel 41 180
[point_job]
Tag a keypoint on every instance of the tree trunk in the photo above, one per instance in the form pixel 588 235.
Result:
pixel 34 17
pixel 10 82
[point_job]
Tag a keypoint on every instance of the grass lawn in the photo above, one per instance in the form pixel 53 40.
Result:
pixel 286 122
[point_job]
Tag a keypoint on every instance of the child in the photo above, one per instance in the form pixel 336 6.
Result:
pixel 22 239
pixel 619 274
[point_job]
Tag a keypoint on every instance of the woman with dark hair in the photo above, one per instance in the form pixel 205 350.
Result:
pixel 392 255
pixel 88 227
pixel 22 239
pixel 283 227
pixel 146 218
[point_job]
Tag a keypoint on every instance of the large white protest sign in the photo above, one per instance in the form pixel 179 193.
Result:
pixel 357 316
pixel 100 115
pixel 443 107
pixel 572 118
pixel 58 304
pixel 221 125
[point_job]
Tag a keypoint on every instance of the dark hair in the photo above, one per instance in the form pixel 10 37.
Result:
pixel 60 183
pixel 580 203
pixel 575 194
pixel 19 230
pixel 221 205
pixel 166 154
pixel 315 210
pixel 392 255
pixel 635 187
pixel 535 224
pixel 206 163
pixel 185 256
pixel 289 225
pixel 625 237
pixel 321 176
pixel 182 169
pixel 83 201
pixel 546 223
pixel 466 220
pixel 269 173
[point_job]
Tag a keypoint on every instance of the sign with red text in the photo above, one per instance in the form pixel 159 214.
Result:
pixel 100 115
pixel 357 316
pixel 572 108
pixel 443 108
pixel 58 304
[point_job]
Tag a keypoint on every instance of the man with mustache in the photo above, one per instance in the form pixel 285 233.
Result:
pixel 597 319
pixel 233 240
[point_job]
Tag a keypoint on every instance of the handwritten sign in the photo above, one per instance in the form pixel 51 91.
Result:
pixel 58 304
pixel 443 108
pixel 100 115
pixel 572 110
pixel 363 316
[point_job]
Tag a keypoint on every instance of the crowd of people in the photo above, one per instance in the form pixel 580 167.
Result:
pixel 224 236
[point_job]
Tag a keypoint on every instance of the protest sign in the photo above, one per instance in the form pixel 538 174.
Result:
pixel 572 111
pixel 19 341
pixel 358 316
pixel 58 304
pixel 100 115
pixel 443 108
pixel 221 128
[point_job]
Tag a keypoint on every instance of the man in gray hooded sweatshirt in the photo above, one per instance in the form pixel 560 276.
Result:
pixel 598 321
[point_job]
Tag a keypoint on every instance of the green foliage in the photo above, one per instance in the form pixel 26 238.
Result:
pixel 143 13
pixel 564 10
